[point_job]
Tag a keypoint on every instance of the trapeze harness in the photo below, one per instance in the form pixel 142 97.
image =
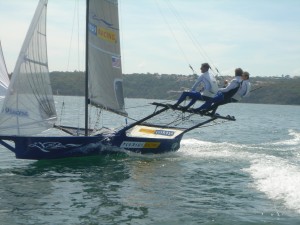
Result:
pixel 229 94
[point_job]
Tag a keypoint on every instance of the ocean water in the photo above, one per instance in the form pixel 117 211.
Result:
pixel 242 172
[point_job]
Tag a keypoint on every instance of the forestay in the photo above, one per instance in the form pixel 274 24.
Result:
pixel 29 107
pixel 104 59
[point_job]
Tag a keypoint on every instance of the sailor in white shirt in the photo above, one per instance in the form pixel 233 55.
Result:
pixel 208 90
pixel 225 92
pixel 245 88
pixel 232 95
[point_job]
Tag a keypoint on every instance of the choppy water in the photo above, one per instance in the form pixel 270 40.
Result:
pixel 243 172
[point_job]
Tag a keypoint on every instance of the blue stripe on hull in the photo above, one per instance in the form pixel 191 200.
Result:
pixel 69 146
pixel 57 147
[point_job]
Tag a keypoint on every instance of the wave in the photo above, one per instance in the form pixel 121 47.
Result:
pixel 295 139
pixel 278 179
pixel 274 175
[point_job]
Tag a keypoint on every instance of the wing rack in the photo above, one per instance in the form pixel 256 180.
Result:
pixel 192 111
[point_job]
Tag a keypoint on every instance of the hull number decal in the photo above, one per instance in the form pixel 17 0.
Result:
pixel 158 132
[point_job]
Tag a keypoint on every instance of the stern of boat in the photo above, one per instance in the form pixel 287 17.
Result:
pixel 148 139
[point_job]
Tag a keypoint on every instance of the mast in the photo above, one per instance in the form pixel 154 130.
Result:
pixel 86 68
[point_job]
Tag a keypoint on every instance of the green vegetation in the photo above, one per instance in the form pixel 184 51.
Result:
pixel 67 83
pixel 269 90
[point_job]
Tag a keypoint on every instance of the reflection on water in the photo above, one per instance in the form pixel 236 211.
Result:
pixel 60 188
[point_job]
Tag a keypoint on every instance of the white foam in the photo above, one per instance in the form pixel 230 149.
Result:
pixel 278 179
pixel 295 140
pixel 205 149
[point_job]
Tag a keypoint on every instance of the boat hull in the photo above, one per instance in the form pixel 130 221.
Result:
pixel 147 145
pixel 38 147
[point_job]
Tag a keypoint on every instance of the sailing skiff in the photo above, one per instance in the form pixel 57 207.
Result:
pixel 29 109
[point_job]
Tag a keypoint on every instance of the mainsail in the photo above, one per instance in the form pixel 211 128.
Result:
pixel 4 79
pixel 104 58
pixel 29 107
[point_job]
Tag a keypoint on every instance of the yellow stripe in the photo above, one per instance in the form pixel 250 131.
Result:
pixel 151 144
pixel 148 131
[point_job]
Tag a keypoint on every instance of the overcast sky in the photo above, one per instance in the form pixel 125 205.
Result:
pixel 165 36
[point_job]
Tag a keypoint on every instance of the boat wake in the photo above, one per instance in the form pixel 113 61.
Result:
pixel 274 173
pixel 295 139
pixel 278 179
pixel 197 148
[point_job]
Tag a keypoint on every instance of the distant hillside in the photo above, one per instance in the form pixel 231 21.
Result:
pixel 269 90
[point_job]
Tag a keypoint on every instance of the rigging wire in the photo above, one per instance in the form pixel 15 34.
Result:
pixel 72 32
pixel 62 110
pixel 190 35
pixel 78 38
pixel 172 32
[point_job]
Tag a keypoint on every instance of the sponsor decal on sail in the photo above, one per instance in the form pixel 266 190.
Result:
pixel 15 112
pixel 103 33
pixel 93 28
pixel 116 62
pixel 136 144
pixel 106 34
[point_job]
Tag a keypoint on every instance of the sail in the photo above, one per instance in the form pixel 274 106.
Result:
pixel 4 80
pixel 28 106
pixel 104 59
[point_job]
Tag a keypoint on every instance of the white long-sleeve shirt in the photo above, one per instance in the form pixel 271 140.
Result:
pixel 210 86
pixel 234 83
pixel 243 91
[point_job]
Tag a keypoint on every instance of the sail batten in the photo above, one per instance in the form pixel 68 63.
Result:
pixel 35 62
pixel 104 51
